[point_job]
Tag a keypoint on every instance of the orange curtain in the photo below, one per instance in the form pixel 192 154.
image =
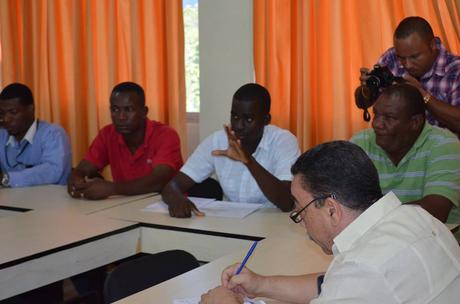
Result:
pixel 308 54
pixel 71 53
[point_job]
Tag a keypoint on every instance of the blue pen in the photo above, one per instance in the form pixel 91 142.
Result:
pixel 246 258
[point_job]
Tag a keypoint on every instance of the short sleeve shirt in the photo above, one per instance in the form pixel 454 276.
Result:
pixel 442 80
pixel 276 152
pixel 432 166
pixel 161 147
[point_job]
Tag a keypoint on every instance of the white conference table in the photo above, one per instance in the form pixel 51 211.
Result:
pixel 48 236
pixel 273 256
pixel 62 236
pixel 208 238
pixel 56 196
pixel 44 246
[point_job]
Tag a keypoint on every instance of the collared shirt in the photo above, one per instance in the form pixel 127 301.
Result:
pixel 431 166
pixel 393 253
pixel 43 156
pixel 29 137
pixel 277 151
pixel 161 146
pixel 442 80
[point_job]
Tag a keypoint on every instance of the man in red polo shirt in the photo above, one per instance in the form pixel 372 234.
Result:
pixel 143 154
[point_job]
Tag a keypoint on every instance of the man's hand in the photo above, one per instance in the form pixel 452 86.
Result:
pixel 183 208
pixel 234 151
pixel 414 82
pixel 363 75
pixel 95 189
pixel 76 179
pixel 247 283
pixel 220 295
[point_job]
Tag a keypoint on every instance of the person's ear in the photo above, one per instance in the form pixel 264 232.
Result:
pixel 31 109
pixel 417 121
pixel 433 46
pixel 334 211
pixel 267 118
pixel 146 110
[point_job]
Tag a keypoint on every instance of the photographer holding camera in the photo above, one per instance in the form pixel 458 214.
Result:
pixel 422 61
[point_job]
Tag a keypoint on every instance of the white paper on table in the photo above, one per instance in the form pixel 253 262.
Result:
pixel 161 207
pixel 197 301
pixel 211 207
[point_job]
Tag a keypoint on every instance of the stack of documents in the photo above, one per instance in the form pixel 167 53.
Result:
pixel 211 207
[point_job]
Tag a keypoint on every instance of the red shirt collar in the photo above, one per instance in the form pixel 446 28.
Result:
pixel 148 132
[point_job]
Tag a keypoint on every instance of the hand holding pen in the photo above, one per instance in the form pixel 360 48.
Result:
pixel 246 258
pixel 240 279
pixel 238 284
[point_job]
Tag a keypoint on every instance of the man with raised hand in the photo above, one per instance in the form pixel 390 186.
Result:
pixel 251 158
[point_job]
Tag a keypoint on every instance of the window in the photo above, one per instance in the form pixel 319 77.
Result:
pixel 192 67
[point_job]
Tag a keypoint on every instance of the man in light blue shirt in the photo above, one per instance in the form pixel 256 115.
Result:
pixel 32 151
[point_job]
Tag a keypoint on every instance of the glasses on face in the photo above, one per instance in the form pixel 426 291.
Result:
pixel 296 216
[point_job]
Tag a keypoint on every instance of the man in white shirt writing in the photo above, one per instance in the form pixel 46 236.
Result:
pixel 384 252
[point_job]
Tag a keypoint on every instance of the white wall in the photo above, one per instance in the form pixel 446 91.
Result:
pixel 226 58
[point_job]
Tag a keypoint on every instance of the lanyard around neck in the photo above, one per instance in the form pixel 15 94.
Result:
pixel 23 149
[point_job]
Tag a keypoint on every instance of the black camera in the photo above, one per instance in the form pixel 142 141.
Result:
pixel 365 95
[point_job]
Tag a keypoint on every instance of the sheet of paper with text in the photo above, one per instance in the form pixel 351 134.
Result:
pixel 211 207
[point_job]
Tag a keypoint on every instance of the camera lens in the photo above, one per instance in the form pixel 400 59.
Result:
pixel 373 82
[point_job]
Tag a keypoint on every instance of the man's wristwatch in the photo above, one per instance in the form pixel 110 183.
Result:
pixel 5 180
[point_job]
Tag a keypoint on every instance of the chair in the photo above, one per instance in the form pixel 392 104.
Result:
pixel 49 294
pixel 209 188
pixel 148 270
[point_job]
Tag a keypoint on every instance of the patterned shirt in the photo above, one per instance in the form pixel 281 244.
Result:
pixel 442 80
pixel 431 166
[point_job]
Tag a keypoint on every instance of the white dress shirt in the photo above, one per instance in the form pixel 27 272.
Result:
pixel 393 253
pixel 277 151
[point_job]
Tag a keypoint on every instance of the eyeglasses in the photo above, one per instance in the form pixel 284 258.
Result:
pixel 296 216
